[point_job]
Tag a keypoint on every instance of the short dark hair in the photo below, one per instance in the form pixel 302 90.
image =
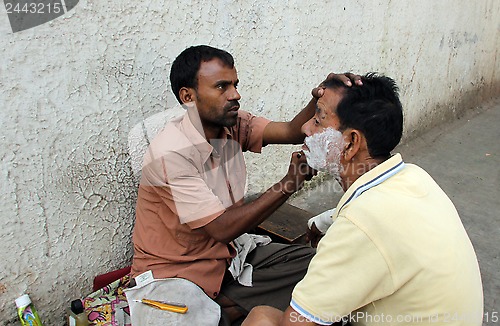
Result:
pixel 187 64
pixel 374 109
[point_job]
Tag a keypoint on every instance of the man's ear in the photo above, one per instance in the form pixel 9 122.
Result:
pixel 354 143
pixel 186 94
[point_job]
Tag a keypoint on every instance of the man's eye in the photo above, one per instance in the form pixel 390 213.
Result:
pixel 220 86
pixel 316 122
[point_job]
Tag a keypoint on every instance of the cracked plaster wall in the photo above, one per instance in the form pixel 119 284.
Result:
pixel 72 89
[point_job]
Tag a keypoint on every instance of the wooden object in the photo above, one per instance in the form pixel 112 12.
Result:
pixel 288 224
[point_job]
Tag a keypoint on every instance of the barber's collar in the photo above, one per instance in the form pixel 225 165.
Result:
pixel 370 179
pixel 195 132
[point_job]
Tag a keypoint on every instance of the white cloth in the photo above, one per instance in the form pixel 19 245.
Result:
pixel 201 309
pixel 244 244
pixel 322 221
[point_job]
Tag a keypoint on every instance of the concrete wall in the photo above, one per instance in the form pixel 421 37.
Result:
pixel 72 89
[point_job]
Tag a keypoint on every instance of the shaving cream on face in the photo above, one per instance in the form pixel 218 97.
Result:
pixel 325 150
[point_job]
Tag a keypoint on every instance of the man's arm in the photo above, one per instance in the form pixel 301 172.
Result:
pixel 289 132
pixel 239 219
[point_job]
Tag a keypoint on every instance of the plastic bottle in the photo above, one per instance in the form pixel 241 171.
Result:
pixel 27 312
pixel 76 314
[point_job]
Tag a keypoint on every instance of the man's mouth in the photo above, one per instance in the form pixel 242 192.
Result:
pixel 232 106
pixel 233 110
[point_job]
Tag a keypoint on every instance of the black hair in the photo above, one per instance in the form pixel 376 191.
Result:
pixel 187 64
pixel 374 109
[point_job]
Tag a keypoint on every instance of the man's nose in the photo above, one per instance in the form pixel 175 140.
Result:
pixel 235 95
pixel 306 128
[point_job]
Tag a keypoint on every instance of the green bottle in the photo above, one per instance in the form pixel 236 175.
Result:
pixel 27 312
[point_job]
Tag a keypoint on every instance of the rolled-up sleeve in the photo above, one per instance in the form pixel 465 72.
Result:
pixel 250 131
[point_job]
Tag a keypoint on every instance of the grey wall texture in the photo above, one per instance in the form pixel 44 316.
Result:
pixel 73 88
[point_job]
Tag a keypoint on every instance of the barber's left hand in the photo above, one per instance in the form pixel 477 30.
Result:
pixel 347 78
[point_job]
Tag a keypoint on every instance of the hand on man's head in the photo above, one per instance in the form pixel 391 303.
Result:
pixel 347 78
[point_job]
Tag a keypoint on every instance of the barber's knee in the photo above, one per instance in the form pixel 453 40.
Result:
pixel 263 316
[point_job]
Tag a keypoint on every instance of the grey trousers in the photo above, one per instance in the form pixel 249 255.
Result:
pixel 276 269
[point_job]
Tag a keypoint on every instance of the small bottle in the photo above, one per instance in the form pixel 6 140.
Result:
pixel 27 312
pixel 77 315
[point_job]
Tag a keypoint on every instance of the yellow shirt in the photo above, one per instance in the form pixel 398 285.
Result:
pixel 397 254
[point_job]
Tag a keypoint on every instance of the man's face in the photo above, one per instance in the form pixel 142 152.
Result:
pixel 216 96
pixel 324 144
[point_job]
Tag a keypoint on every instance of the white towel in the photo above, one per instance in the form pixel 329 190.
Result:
pixel 201 309
pixel 244 244
pixel 322 221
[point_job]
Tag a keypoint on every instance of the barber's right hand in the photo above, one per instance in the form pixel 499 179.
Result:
pixel 298 173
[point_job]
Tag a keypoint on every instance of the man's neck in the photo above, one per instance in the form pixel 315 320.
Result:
pixel 358 167
pixel 208 130
pixel 213 132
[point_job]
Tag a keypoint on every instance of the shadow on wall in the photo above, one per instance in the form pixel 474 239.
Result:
pixel 455 108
